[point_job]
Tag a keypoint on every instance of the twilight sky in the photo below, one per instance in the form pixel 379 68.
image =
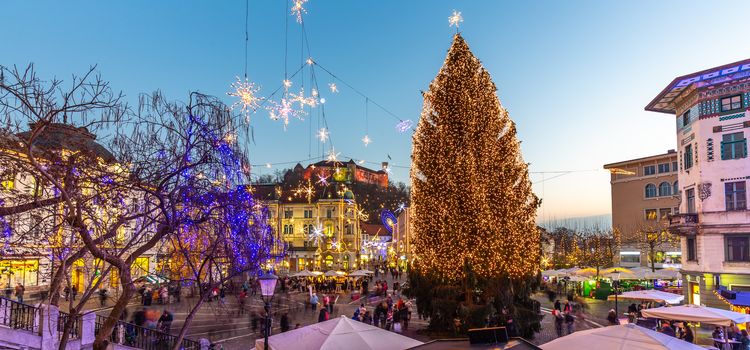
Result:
pixel 575 75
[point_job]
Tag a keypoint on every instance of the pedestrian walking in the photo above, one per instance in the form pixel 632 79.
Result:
pixel 612 317
pixel 102 297
pixel 570 322
pixel 165 321
pixel 284 322
pixel 557 305
pixel 558 322
pixel 314 301
pixel 19 292
pixel 323 315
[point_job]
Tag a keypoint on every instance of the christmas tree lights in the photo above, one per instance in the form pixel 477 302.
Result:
pixel 472 199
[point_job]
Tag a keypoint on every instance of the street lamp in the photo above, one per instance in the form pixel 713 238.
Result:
pixel 616 284
pixel 267 288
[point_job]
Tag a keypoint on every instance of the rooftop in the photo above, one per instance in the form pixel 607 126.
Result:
pixel 614 166
pixel 664 101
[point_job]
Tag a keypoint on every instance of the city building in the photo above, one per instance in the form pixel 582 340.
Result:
pixel 317 226
pixel 31 238
pixel 402 237
pixel 349 172
pixel 712 121
pixel 644 194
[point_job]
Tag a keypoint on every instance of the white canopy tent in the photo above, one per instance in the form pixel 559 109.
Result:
pixel 695 313
pixel 338 333
pixel 303 273
pixel 628 336
pixel 357 273
pixel 653 295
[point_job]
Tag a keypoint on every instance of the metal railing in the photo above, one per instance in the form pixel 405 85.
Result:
pixel 128 334
pixel 683 219
pixel 18 315
pixel 74 331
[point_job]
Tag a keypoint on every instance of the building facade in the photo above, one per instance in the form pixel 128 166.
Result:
pixel 712 122
pixel 644 194
pixel 32 242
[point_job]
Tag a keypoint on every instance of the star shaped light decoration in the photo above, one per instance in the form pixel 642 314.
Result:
pixel 401 207
pixel 298 9
pixel 366 140
pixel 308 191
pixel 322 180
pixel 333 156
pixel 284 111
pixel 287 84
pixel 335 245
pixel 404 125
pixel 315 235
pixel 332 86
pixel 455 19
pixel 247 98
pixel 302 100
pixel 323 134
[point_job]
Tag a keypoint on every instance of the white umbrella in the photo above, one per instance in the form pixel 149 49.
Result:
pixel 664 274
pixel 357 273
pixel 304 273
pixel 331 273
pixel 549 273
pixel 627 336
pixel 338 333
pixel 367 271
pixel 695 313
pixel 655 295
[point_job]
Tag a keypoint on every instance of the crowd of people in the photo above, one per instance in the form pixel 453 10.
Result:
pixel 387 314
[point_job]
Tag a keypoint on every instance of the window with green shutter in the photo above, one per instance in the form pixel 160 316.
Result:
pixel 733 146
pixel 688 160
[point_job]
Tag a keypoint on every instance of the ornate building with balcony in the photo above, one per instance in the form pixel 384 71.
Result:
pixel 712 121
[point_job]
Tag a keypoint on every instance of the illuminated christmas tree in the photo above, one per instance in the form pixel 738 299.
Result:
pixel 474 212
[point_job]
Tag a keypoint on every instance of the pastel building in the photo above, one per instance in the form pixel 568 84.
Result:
pixel 711 125
pixel 645 192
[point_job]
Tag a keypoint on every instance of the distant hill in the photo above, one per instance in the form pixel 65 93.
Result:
pixel 603 222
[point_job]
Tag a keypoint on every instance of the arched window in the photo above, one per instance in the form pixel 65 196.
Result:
pixel 650 191
pixel 676 189
pixel 665 189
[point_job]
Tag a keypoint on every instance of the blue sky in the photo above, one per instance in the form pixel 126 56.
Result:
pixel 575 75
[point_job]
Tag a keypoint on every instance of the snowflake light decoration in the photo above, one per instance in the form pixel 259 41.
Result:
pixel 323 134
pixel 366 140
pixel 315 235
pixel 302 100
pixel 404 125
pixel 455 19
pixel 246 94
pixel 322 180
pixel 308 191
pixel 333 156
pixel 401 207
pixel 332 86
pixel 284 111
pixel 298 9
pixel 287 84
pixel 335 245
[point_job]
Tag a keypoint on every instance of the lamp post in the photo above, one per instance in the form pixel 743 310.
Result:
pixel 267 288
pixel 616 284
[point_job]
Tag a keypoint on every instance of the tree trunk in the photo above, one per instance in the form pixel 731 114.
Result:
pixel 188 321
pixel 128 290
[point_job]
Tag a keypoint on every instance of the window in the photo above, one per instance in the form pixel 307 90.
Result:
pixel 288 229
pixel 664 213
pixel 737 248
pixel 731 103
pixel 676 210
pixel 649 170
pixel 630 257
pixel 663 168
pixel 733 146
pixel 674 166
pixel 686 118
pixel 651 214
pixel 329 213
pixel 665 189
pixel 691 249
pixel 288 214
pixel 688 157
pixel 734 194
pixel 308 213
pixel 675 189
pixel 650 191
pixel 690 200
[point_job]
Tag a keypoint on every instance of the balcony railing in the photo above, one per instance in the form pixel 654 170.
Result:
pixel 134 336
pixel 18 315
pixel 683 219
pixel 74 331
